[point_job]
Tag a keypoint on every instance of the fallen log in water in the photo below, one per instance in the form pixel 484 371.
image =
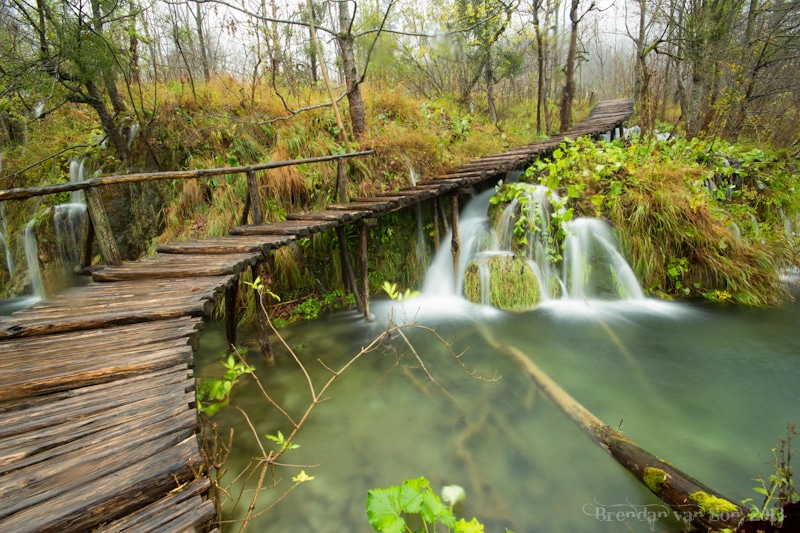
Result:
pixel 695 503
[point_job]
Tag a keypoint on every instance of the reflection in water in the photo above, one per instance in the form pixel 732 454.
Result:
pixel 710 388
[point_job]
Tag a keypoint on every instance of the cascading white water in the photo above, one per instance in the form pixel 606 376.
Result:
pixel 4 240
pixel 32 258
pixel 592 267
pixel 69 220
pixel 476 235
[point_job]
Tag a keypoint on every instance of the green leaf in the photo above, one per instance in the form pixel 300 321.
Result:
pixel 473 526
pixel 383 510
pixel 761 490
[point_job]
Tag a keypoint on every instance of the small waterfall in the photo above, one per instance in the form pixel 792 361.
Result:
pixel 69 220
pixel 32 258
pixel 591 267
pixel 476 236
pixel 4 240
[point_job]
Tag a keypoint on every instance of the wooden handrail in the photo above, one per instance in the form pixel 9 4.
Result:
pixel 22 193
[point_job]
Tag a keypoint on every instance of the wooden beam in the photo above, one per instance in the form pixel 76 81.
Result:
pixel 102 228
pixel 255 198
pixel 231 296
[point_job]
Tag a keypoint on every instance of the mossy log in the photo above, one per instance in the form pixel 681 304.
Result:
pixel 512 284
pixel 697 504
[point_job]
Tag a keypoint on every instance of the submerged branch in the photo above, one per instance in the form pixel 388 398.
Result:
pixel 696 503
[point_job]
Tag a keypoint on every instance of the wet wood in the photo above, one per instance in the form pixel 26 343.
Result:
pixel 178 266
pixel 22 193
pixel 264 271
pixel 254 197
pixel 231 320
pixel 455 241
pixel 348 276
pixel 363 237
pixel 232 244
pixel 677 486
pixel 102 228
pixel 298 228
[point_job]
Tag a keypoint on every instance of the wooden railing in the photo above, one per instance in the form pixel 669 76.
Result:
pixel 99 227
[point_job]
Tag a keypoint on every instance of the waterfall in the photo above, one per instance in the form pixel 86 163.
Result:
pixel 69 220
pixel 591 266
pixel 4 240
pixel 32 257
pixel 476 236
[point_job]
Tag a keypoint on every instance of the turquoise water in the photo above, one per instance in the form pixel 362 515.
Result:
pixel 708 387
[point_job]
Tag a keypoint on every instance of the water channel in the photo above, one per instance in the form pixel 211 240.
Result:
pixel 708 387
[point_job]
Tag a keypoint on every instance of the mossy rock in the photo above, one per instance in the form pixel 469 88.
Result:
pixel 513 285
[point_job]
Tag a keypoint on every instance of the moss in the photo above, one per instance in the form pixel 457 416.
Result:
pixel 513 285
pixel 654 478
pixel 711 504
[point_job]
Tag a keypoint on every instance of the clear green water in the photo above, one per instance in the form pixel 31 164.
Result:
pixel 709 388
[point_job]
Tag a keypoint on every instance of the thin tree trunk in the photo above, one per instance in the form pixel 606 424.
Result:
pixel 358 118
pixel 569 82
pixel 198 20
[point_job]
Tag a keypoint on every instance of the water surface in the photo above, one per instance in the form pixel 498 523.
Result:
pixel 708 387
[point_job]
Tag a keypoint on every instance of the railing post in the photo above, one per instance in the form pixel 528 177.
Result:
pixel 102 228
pixel 255 198
pixel 341 180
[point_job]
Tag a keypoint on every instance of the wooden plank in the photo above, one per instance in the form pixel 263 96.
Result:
pixel 66 372
pixel 227 245
pixel 111 496
pixel 127 420
pixel 38 483
pixel 289 227
pixel 101 339
pixel 338 217
pixel 179 266
pixel 153 516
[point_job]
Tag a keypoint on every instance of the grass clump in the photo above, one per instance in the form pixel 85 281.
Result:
pixel 512 285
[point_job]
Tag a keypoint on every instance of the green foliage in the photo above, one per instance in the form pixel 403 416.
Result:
pixel 778 489
pixel 388 509
pixel 282 442
pixel 394 294
pixel 214 393
pixel 512 282
pixel 674 204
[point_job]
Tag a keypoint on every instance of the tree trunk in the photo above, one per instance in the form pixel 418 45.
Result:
pixel 488 76
pixel 97 102
pixel 356 103
pixel 569 81
pixel 201 41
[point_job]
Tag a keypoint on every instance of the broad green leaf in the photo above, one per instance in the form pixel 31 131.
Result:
pixel 383 510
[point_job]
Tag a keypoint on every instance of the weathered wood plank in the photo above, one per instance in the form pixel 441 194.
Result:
pixel 126 420
pixel 162 511
pixel 179 266
pixel 49 479
pixel 227 245
pixel 289 227
pixel 111 496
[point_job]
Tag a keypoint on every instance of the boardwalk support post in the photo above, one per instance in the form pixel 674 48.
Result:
pixel 341 180
pixel 86 253
pixel 436 236
pixel 263 270
pixel 102 228
pixel 455 242
pixel 348 276
pixel 231 295
pixel 363 235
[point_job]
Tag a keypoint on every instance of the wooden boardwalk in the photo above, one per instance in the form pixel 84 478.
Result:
pixel 97 415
